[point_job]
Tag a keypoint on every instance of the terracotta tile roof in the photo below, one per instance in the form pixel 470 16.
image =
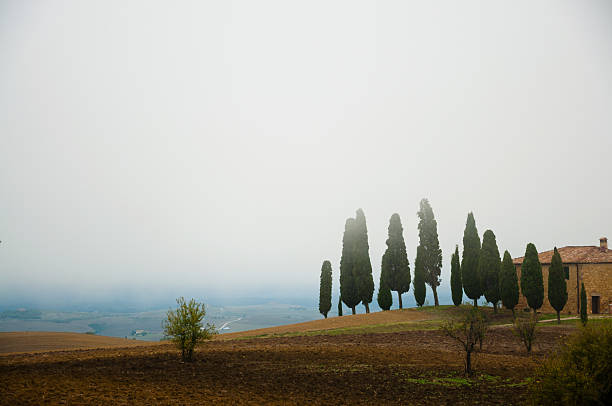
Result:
pixel 575 255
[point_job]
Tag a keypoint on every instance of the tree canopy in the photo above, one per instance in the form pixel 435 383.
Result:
pixel 419 279
pixel 557 288
pixel 349 291
pixel 584 317
pixel 325 289
pixel 456 286
pixel 532 285
pixel 362 264
pixel 431 254
pixel 395 271
pixel 488 268
pixel 469 261
pixel 508 283
pixel 384 298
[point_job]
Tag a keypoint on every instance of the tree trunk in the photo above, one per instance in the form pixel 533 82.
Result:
pixel 435 293
pixel 468 362
pixel 513 315
pixel 495 308
pixel 558 317
pixel 325 315
pixel 399 297
pixel 353 309
pixel 367 306
pixel 475 302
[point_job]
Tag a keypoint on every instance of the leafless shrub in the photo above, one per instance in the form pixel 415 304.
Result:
pixel 468 333
pixel 525 329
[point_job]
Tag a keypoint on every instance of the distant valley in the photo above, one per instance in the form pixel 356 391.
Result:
pixel 148 325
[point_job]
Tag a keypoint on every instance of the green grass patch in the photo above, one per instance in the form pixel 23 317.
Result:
pixel 448 382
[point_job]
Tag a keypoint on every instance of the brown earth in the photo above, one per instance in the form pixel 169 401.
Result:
pixel 34 341
pixel 332 323
pixel 413 367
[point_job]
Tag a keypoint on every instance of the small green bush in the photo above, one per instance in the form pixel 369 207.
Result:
pixel 185 327
pixel 580 372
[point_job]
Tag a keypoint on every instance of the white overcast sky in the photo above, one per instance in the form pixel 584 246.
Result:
pixel 217 147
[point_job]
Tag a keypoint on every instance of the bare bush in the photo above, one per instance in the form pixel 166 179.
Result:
pixel 525 329
pixel 468 333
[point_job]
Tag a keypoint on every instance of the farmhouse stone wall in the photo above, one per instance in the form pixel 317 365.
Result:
pixel 597 279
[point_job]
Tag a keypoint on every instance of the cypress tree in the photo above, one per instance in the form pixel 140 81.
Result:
pixel 431 254
pixel 584 317
pixel 384 298
pixel 488 268
pixel 469 261
pixel 395 265
pixel 339 306
pixel 362 264
pixel 532 284
pixel 325 289
pixel 557 288
pixel 419 279
pixel 349 291
pixel 456 286
pixel 508 283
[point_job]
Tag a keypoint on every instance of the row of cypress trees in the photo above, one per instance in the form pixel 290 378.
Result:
pixel 483 272
pixel 480 272
pixel 356 282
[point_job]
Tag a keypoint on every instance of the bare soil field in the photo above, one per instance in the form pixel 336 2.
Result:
pixel 332 323
pixel 27 341
pixel 412 367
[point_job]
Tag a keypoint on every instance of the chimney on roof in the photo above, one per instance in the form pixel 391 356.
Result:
pixel 603 244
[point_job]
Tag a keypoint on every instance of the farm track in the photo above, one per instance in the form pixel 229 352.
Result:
pixel 415 367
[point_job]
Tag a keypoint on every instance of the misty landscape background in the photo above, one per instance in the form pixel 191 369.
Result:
pixel 214 150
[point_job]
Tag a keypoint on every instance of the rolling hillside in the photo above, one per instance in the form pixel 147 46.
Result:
pixel 335 323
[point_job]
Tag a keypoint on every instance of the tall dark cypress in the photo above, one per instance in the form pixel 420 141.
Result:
pixel 339 306
pixel 488 268
pixel 557 288
pixel 532 284
pixel 362 264
pixel 508 283
pixel 584 317
pixel 419 278
pixel 469 261
pixel 431 253
pixel 349 290
pixel 456 286
pixel 325 289
pixel 395 264
pixel 384 298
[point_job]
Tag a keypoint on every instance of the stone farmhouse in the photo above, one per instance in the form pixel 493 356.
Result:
pixel 591 265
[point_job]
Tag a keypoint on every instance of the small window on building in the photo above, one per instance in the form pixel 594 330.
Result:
pixel 566 270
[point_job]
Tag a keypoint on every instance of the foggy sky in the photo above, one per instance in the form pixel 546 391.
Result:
pixel 216 148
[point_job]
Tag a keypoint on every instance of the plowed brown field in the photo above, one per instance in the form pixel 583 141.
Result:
pixel 34 341
pixel 414 367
